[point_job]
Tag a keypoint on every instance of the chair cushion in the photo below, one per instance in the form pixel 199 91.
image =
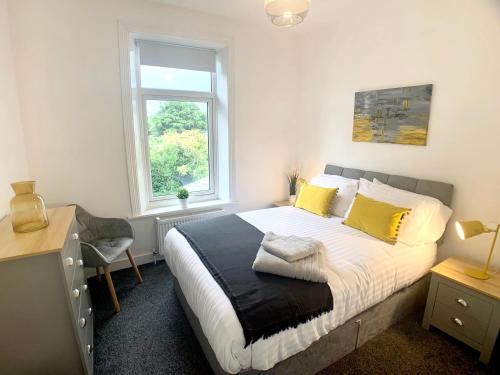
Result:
pixel 111 248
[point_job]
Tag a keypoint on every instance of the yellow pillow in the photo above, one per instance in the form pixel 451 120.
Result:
pixel 378 219
pixel 315 199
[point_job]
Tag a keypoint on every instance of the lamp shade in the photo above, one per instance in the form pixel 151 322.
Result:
pixel 467 229
pixel 287 12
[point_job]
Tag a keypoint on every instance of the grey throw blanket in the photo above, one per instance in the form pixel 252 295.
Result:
pixel 265 304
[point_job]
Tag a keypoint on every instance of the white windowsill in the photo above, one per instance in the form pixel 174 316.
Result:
pixel 177 210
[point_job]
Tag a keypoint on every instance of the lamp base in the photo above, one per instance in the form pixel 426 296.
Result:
pixel 477 273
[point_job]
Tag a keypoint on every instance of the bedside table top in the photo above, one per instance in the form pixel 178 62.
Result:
pixel 453 269
pixel 282 204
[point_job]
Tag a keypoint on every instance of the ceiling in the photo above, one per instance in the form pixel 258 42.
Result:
pixel 252 11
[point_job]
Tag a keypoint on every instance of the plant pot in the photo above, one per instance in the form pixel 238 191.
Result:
pixel 184 203
pixel 292 199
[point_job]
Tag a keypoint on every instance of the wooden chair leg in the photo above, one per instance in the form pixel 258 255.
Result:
pixel 134 266
pixel 111 289
pixel 98 273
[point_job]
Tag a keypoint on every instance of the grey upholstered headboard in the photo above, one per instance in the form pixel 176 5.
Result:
pixel 439 190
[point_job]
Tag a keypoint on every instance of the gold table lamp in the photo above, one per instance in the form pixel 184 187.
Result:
pixel 467 229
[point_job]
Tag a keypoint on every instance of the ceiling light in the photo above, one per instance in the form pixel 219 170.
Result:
pixel 287 12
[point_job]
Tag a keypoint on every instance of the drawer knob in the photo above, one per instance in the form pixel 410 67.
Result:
pixel 75 236
pixel 82 322
pixel 76 293
pixel 85 287
pixel 462 302
pixel 90 311
pixel 457 321
pixel 68 261
pixel 89 349
pixel 79 262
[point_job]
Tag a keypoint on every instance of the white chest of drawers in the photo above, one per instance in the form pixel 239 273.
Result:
pixel 46 317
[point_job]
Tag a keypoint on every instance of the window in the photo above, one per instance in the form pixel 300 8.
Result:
pixel 176 117
pixel 154 77
pixel 180 132
pixel 178 145
pixel 176 121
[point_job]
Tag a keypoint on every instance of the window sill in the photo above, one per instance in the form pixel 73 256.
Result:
pixel 177 210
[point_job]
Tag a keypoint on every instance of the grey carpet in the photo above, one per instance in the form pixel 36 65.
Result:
pixel 152 336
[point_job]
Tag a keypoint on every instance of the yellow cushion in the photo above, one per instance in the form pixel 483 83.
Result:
pixel 315 199
pixel 378 219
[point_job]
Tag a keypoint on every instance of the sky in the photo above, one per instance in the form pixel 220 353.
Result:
pixel 156 77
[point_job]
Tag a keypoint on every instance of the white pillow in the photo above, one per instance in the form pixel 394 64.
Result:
pixel 347 189
pixel 427 221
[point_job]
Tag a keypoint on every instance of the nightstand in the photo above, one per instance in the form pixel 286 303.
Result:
pixel 463 307
pixel 282 204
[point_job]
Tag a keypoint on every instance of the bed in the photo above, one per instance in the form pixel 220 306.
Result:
pixel 373 284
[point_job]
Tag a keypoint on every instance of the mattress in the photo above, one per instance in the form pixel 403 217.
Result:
pixel 362 271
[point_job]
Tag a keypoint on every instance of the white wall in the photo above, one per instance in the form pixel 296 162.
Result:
pixel 67 67
pixel 12 154
pixel 69 81
pixel 453 44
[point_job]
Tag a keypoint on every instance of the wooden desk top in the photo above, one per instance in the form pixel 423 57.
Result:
pixel 47 240
pixel 453 269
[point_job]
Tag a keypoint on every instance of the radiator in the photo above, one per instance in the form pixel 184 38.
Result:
pixel 163 225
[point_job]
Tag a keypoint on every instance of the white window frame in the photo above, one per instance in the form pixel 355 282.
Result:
pixel 223 149
pixel 210 98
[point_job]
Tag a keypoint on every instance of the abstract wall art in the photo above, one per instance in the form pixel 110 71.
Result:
pixel 399 115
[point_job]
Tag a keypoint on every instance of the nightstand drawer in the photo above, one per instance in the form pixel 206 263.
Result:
pixel 464 307
pixel 466 303
pixel 453 320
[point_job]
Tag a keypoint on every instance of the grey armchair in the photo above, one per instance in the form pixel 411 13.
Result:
pixel 102 241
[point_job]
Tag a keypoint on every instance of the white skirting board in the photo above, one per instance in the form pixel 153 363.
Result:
pixel 122 263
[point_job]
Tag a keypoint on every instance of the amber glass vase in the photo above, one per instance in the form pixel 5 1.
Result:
pixel 27 208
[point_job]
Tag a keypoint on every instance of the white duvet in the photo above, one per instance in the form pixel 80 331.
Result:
pixel 362 271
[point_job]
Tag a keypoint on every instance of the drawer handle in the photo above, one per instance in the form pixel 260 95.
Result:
pixel 68 261
pixel 76 293
pixel 89 311
pixel 457 321
pixel 82 322
pixel 75 236
pixel 85 287
pixel 89 349
pixel 79 262
pixel 462 302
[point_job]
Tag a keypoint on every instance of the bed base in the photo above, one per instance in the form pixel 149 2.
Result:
pixel 336 344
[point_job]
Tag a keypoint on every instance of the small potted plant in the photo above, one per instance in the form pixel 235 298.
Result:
pixel 183 195
pixel 293 177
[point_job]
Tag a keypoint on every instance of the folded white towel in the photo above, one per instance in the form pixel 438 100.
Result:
pixel 309 268
pixel 290 248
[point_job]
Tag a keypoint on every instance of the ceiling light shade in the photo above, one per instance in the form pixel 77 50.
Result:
pixel 287 12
